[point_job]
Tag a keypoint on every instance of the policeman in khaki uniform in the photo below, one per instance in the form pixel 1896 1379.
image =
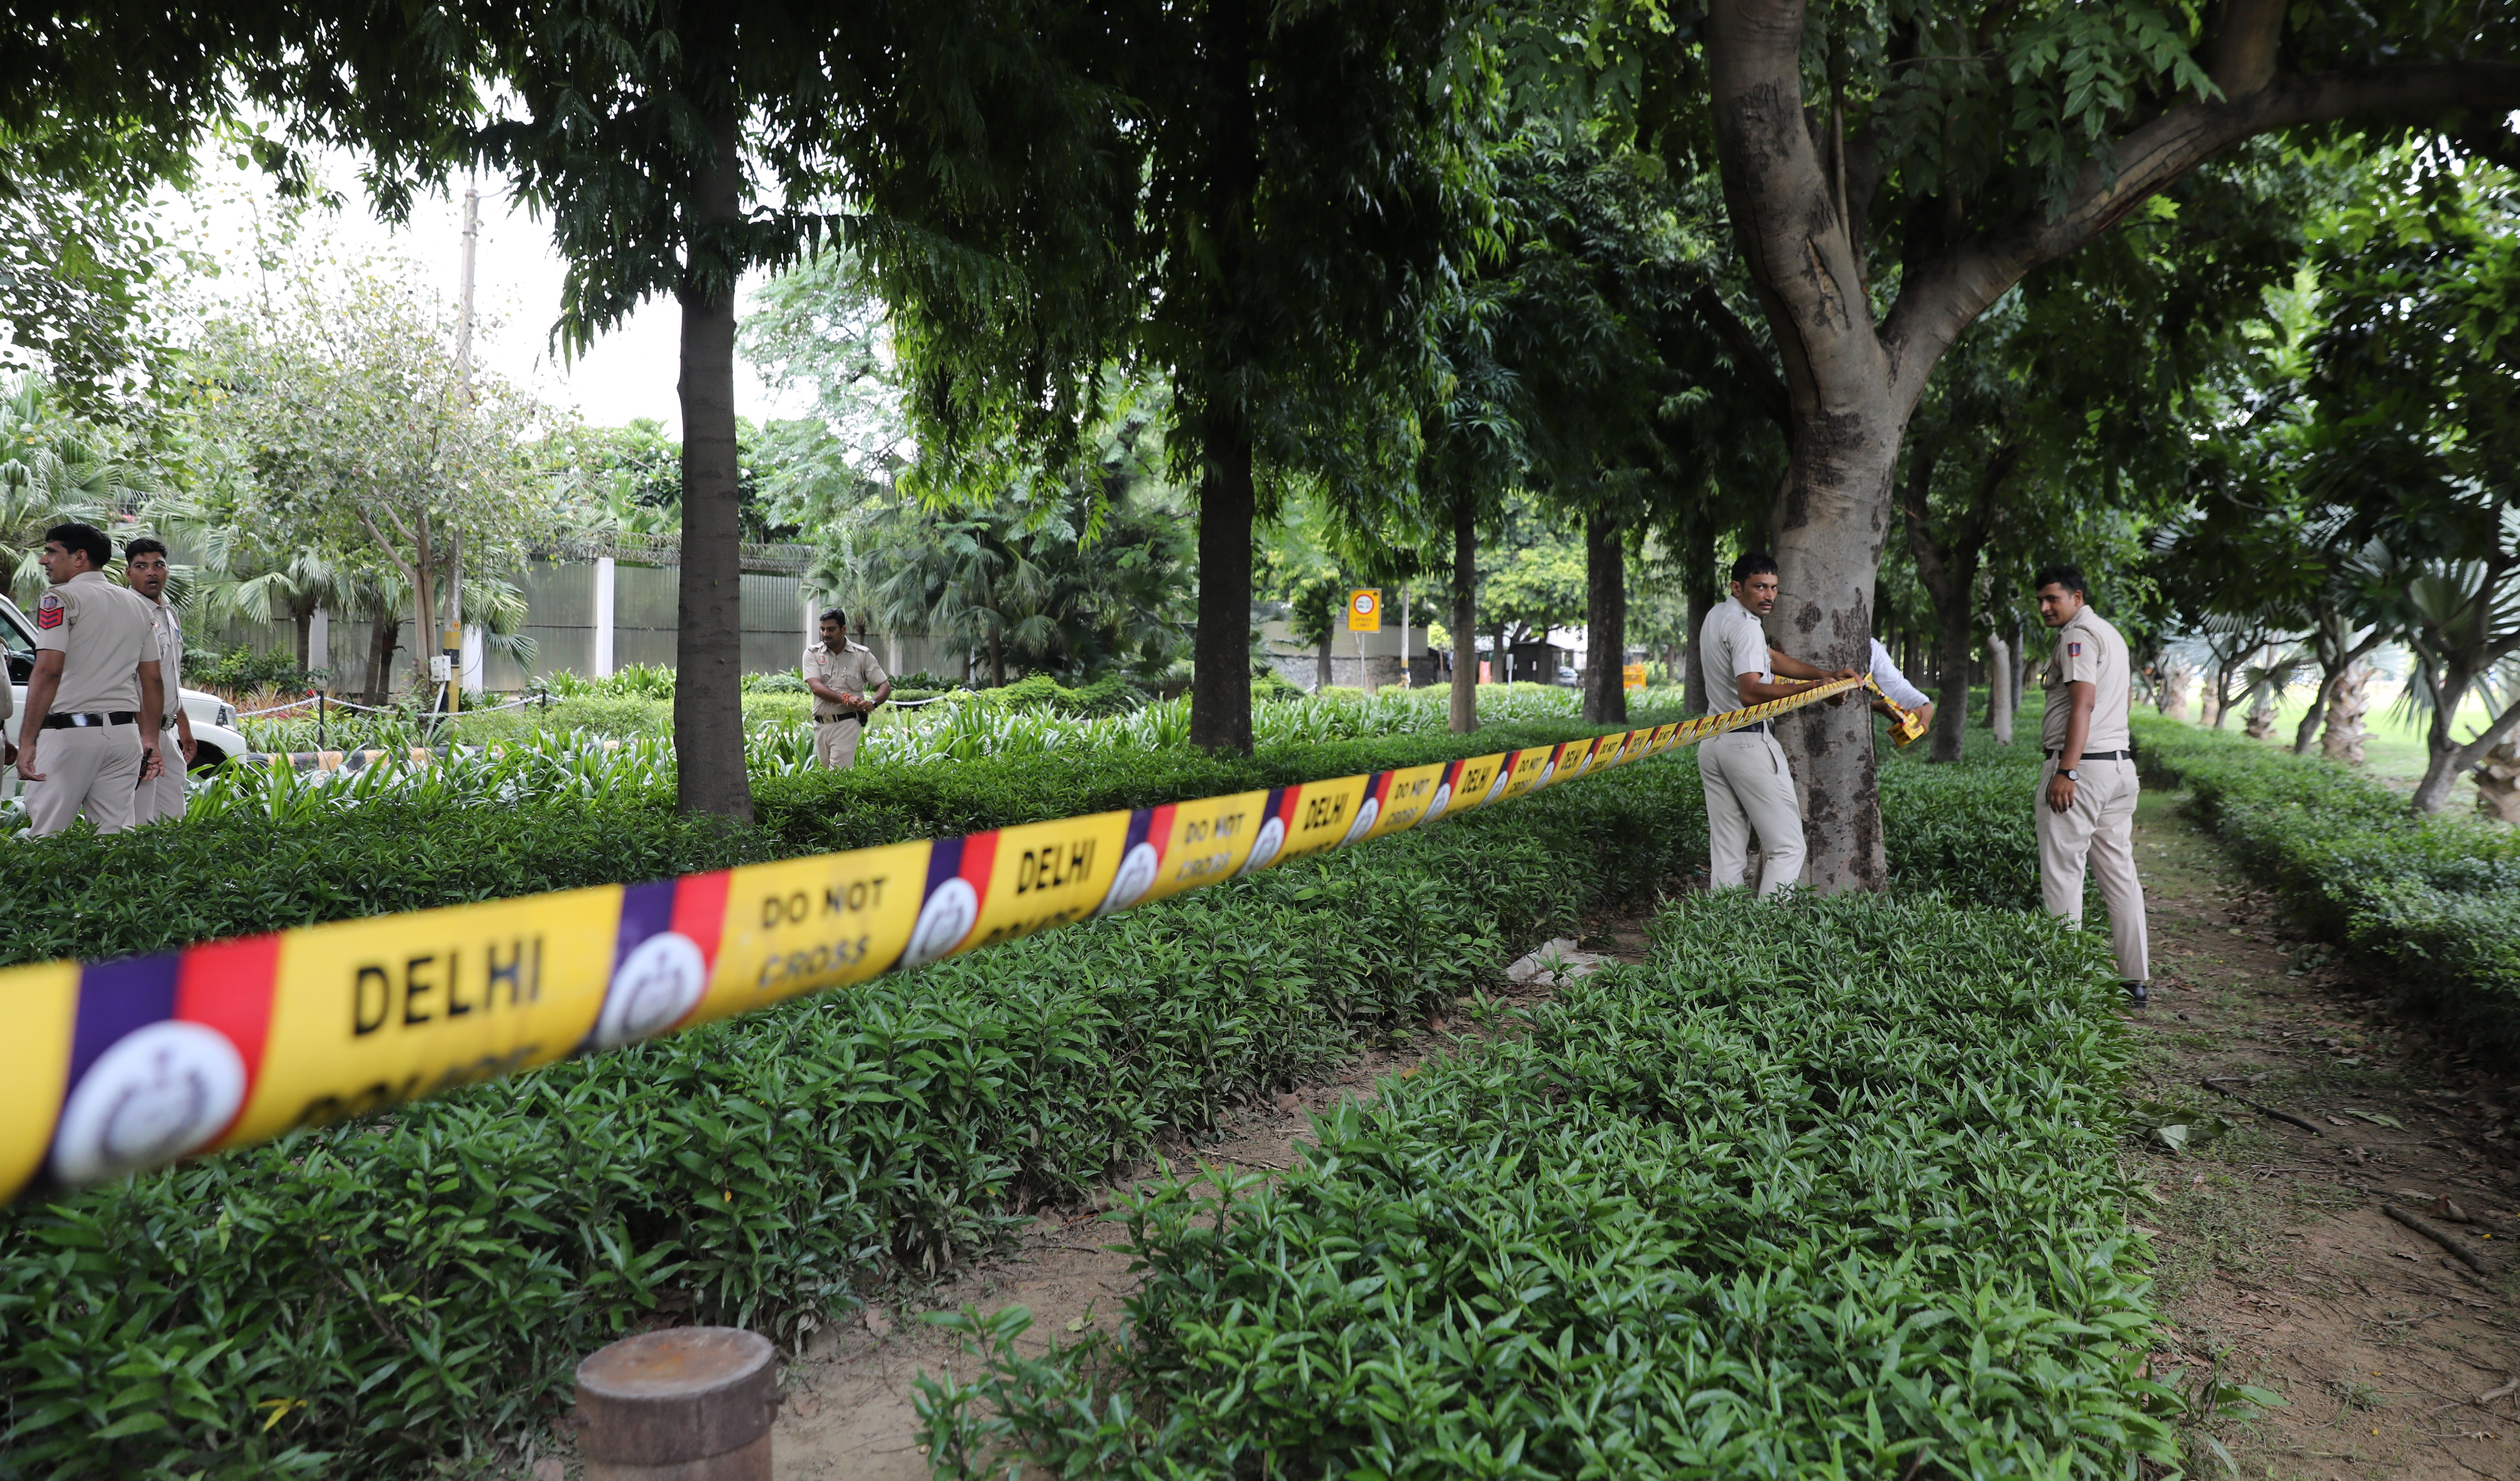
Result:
pixel 1747 784
pixel 90 736
pixel 847 685
pixel 2088 785
pixel 144 567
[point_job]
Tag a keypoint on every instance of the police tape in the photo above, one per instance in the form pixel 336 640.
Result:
pixel 117 1066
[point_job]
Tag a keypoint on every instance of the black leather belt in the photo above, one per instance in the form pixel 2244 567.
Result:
pixel 2125 755
pixel 1754 728
pixel 836 719
pixel 83 722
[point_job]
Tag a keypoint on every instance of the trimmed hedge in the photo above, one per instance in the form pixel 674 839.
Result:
pixel 2432 902
pixel 80 894
pixel 410 1292
pixel 1825 1189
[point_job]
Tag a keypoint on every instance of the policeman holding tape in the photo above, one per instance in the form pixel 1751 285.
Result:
pixel 2088 785
pixel 90 736
pixel 144 567
pixel 847 685
pixel 1748 786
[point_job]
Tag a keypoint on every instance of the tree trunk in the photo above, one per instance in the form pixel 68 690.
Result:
pixel 1220 690
pixel 1321 663
pixel 1504 657
pixel 1702 599
pixel 2002 700
pixel 303 614
pixel 708 653
pixel 2262 716
pixel 1950 697
pixel 2497 782
pixel 2347 702
pixel 1465 698
pixel 2173 701
pixel 997 657
pixel 384 635
pixel 1605 620
pixel 2306 734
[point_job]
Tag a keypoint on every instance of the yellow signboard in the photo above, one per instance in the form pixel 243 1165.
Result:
pixel 1364 610
pixel 1633 676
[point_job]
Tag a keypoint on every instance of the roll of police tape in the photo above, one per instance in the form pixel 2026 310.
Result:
pixel 117 1066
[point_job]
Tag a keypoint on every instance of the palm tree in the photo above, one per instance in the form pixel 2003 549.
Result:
pixel 56 468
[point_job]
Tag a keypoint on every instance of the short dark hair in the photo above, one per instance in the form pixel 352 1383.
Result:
pixel 146 545
pixel 78 536
pixel 834 614
pixel 2061 574
pixel 1754 563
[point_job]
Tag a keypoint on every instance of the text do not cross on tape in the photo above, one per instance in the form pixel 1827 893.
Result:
pixel 117 1066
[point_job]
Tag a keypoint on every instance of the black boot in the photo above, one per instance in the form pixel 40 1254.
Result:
pixel 2138 994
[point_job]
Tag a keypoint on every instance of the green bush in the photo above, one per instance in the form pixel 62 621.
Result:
pixel 391 1296
pixel 243 669
pixel 637 681
pixel 785 681
pixel 602 716
pixel 1969 830
pixel 2433 903
pixel 1825 1190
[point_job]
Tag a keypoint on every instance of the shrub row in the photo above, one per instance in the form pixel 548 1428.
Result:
pixel 2434 902
pixel 83 895
pixel 1825 1189
pixel 407 1294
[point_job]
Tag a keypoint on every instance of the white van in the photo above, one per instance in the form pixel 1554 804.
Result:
pixel 214 732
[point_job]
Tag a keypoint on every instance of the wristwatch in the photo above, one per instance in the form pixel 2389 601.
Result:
pixel 2070 772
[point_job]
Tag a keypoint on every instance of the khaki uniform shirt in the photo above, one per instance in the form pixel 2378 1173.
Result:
pixel 169 627
pixel 852 671
pixel 1732 643
pixel 2089 652
pixel 103 631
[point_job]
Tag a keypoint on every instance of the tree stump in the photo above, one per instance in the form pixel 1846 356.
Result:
pixel 688 1403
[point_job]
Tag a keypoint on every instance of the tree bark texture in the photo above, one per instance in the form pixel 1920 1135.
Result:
pixel 1220 688
pixel 2001 703
pixel 1321 663
pixel 1703 598
pixel 1606 621
pixel 708 647
pixel 1464 697
pixel 2172 698
pixel 2347 703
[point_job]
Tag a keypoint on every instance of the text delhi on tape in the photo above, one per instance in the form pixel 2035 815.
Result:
pixel 116 1067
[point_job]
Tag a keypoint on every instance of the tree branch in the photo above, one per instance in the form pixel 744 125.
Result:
pixel 1748 354
pixel 1947 293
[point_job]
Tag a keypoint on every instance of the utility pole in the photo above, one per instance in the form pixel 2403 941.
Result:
pixel 452 641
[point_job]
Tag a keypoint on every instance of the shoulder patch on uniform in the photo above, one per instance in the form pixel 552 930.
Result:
pixel 49 612
pixel 2073 650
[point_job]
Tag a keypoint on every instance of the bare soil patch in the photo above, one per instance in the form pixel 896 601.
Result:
pixel 2278 1265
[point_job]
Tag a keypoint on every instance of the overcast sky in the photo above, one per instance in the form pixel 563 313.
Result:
pixel 627 374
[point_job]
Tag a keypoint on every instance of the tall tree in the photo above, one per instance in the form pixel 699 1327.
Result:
pixel 1284 182
pixel 1953 150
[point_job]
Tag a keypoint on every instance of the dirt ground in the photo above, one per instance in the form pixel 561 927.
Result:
pixel 849 1414
pixel 2276 1267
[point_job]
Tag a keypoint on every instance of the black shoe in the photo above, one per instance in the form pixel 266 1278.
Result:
pixel 2138 994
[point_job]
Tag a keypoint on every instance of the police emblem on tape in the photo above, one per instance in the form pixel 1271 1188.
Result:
pixel 158 1093
pixel 49 612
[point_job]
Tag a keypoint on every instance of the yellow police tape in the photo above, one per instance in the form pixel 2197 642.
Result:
pixel 116 1066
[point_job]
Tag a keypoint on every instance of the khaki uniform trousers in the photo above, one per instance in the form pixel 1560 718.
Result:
pixel 93 769
pixel 163 798
pixel 836 742
pixel 2099 828
pixel 1749 787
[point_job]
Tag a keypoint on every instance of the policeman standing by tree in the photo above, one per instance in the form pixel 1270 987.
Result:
pixel 1747 784
pixel 847 685
pixel 2088 785
pixel 90 736
pixel 144 567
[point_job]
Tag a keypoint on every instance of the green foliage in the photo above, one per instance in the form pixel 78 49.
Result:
pixel 2432 901
pixel 404 1291
pixel 1823 1189
pixel 783 682
pixel 634 681
pixel 243 670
